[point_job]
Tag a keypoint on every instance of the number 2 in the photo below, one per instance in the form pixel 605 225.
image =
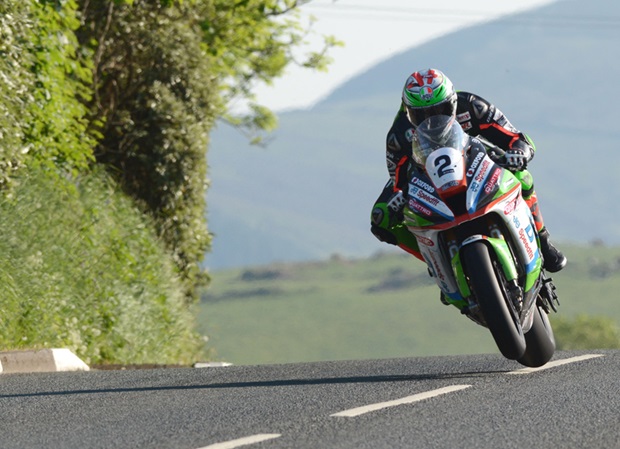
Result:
pixel 442 163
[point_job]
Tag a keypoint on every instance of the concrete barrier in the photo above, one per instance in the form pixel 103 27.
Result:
pixel 40 361
pixel 211 364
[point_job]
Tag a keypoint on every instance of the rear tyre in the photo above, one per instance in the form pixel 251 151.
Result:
pixel 487 283
pixel 540 341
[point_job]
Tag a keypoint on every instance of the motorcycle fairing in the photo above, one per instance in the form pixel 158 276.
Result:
pixel 485 188
pixel 483 183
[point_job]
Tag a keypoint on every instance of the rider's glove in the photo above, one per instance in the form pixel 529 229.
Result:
pixel 396 204
pixel 518 156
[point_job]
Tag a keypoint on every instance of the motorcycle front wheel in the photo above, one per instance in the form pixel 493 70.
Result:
pixel 487 282
pixel 540 341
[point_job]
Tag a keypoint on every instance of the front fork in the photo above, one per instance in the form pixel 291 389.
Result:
pixel 503 257
pixel 502 253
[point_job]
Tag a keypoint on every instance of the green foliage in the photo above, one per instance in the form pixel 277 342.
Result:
pixel 81 268
pixel 254 41
pixel 56 132
pixel 586 332
pixel 157 103
pixel 135 86
pixel 163 73
pixel 16 82
pixel 42 117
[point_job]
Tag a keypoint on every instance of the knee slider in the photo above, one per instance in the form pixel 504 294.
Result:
pixel 383 235
pixel 380 216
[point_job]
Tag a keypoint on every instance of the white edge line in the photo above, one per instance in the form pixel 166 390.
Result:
pixel 407 400
pixel 556 363
pixel 243 441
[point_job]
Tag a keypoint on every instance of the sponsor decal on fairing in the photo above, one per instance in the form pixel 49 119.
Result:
pixel 526 242
pixel 474 164
pixel 488 187
pixel 427 204
pixel 482 171
pixel 414 205
pixel 425 240
pixel 511 205
pixel 431 200
pixel 436 268
pixel 423 184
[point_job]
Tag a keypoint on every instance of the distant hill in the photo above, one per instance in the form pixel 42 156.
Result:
pixel 553 71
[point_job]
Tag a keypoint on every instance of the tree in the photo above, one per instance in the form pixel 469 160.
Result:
pixel 56 134
pixel 253 41
pixel 163 72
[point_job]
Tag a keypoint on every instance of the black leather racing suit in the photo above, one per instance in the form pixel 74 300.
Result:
pixel 477 117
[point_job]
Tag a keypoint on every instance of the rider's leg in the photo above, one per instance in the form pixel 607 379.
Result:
pixel 389 231
pixel 553 258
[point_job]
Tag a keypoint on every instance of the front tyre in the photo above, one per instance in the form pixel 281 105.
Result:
pixel 540 341
pixel 487 282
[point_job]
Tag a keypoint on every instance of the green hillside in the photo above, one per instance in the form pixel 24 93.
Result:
pixel 379 307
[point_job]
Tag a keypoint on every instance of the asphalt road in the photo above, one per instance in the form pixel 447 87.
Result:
pixel 442 402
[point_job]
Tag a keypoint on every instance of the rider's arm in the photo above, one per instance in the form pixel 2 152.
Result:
pixel 479 117
pixel 398 149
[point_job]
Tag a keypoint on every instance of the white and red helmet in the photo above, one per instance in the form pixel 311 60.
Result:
pixel 428 93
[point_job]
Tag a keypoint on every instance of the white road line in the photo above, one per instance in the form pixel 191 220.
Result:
pixel 243 441
pixel 408 400
pixel 556 363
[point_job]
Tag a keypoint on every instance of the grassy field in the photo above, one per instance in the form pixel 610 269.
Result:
pixel 381 307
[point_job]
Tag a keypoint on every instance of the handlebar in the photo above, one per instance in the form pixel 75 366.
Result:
pixel 495 153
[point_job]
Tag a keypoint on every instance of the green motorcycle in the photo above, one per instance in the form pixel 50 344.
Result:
pixel 478 238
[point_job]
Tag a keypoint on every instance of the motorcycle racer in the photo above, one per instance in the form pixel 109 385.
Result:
pixel 427 93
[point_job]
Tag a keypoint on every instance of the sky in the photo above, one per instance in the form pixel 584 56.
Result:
pixel 372 31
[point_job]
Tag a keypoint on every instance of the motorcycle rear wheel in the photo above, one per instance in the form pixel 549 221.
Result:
pixel 487 282
pixel 540 341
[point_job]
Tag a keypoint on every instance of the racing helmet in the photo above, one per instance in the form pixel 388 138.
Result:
pixel 428 93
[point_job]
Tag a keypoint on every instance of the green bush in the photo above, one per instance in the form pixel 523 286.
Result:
pixel 82 268
pixel 134 89
pixel 16 81
pixel 43 84
pixel 586 332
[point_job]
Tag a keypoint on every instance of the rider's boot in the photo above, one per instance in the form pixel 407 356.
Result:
pixel 443 299
pixel 553 258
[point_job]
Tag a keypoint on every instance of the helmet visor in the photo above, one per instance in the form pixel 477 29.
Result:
pixel 418 115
